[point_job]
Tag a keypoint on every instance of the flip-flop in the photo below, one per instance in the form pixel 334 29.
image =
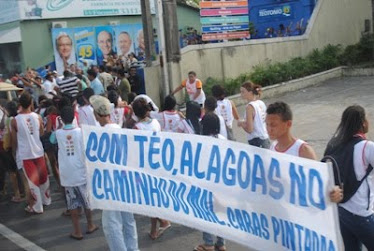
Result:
pixel 78 238
pixel 202 247
pixel 161 230
pixel 30 210
pixel 152 237
pixel 93 230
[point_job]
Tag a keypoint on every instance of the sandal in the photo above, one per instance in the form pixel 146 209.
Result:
pixel 93 230
pixel 78 238
pixel 30 210
pixel 203 247
pixel 161 230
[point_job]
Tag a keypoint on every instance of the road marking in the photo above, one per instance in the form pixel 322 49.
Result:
pixel 18 239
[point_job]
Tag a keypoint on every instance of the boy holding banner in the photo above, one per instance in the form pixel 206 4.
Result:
pixel 119 227
pixel 278 125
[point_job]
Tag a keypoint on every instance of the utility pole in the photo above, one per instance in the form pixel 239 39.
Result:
pixel 150 51
pixel 173 55
pixel 171 31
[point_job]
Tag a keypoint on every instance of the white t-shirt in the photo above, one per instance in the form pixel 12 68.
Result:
pixel 118 115
pixel 363 155
pixel 71 157
pixel 192 89
pixel 149 125
pixel 49 87
pixel 224 108
pixel 28 136
pixel 86 116
pixel 222 126
pixel 169 120
pixel 185 126
pixel 259 125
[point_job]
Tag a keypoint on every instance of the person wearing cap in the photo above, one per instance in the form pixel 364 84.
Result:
pixel 119 227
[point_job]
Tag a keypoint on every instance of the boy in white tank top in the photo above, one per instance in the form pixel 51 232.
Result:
pixel 119 226
pixel 27 127
pixel 278 124
pixel 73 171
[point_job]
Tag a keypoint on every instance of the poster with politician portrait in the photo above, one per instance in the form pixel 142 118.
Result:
pixel 139 42
pixel 63 47
pixel 85 43
pixel 105 43
pixel 125 39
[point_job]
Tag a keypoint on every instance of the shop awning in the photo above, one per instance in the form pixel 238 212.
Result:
pixel 12 35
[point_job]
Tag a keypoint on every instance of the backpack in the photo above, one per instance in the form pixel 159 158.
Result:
pixel 343 165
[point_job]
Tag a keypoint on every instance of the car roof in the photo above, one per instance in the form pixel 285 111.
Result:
pixel 8 87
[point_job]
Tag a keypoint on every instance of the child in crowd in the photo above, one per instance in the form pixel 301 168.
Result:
pixel 211 127
pixel 119 114
pixel 73 171
pixel 210 106
pixel 169 118
pixel 254 117
pixel 141 110
pixel 226 109
pixel 191 124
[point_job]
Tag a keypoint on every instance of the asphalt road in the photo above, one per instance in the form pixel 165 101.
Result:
pixel 317 112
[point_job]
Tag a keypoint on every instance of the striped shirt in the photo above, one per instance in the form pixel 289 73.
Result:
pixel 69 85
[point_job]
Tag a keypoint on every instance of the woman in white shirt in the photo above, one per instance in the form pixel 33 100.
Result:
pixel 356 209
pixel 254 117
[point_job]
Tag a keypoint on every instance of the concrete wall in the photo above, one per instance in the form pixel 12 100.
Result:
pixel 332 22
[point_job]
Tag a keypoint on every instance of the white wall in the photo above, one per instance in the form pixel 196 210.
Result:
pixel 332 22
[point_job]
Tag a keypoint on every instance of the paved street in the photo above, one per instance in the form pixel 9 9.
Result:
pixel 317 112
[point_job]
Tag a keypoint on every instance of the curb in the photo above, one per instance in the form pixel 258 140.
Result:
pixel 296 84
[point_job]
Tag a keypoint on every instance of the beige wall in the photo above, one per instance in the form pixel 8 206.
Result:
pixel 332 22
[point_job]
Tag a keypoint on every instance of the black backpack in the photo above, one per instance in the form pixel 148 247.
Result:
pixel 344 173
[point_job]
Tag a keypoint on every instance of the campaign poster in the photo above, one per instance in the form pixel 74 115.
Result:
pixel 63 47
pixel 139 42
pixel 85 46
pixel 125 39
pixel 105 43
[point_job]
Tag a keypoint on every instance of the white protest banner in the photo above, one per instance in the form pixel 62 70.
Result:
pixel 261 199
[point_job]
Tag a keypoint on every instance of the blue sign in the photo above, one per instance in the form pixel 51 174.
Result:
pixel 221 28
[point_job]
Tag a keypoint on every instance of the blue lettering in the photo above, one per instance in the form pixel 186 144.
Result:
pixel 214 166
pixel 186 158
pixel 118 150
pixel 276 229
pixel 162 187
pixel 265 226
pixel 300 182
pixel 231 218
pixel 258 166
pixel 199 175
pixel 172 192
pixel 308 241
pixel 314 175
pixel 154 149
pixel 240 220
pixel 91 145
pixel 300 237
pixel 168 147
pixel 244 175
pixel 290 235
pixel 315 241
pixel 142 187
pixel 97 184
pixel 108 186
pixel 141 140
pixel 256 225
pixel 103 152
pixel 247 221
pixel 193 200
pixel 229 174
pixel 154 189
pixel 274 170
pixel 180 194
pixel 119 187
